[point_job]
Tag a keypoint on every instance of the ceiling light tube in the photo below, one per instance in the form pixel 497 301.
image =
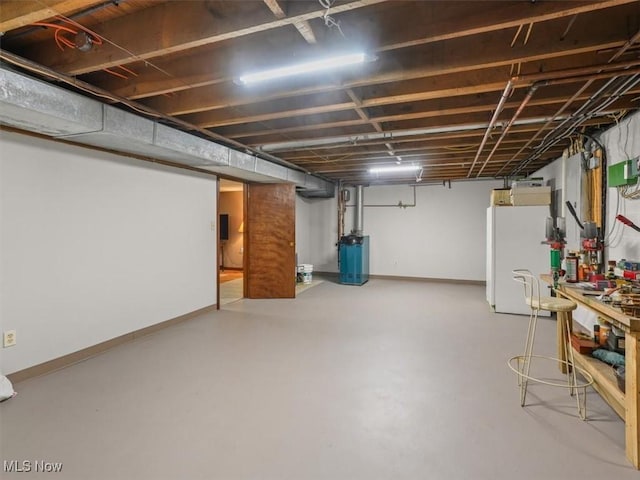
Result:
pixel 395 169
pixel 307 67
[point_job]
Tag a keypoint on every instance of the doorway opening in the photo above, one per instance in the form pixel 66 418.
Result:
pixel 231 241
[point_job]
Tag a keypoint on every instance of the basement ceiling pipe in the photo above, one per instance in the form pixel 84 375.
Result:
pixel 505 130
pixel 545 83
pixel 606 67
pixel 549 122
pixel 622 87
pixel 545 78
pixel 354 139
pixel 508 89
pixel 570 130
pixel 576 115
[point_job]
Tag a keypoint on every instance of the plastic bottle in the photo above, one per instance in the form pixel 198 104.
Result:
pixel 604 335
pixel 572 269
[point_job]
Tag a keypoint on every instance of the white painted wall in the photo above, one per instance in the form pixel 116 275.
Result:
pixel 622 143
pixel 95 245
pixel 317 232
pixel 442 237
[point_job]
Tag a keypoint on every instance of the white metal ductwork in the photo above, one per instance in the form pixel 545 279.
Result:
pixel 36 106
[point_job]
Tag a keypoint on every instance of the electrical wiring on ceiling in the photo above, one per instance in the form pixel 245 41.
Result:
pixel 91 39
pixel 99 39
pixel 63 41
pixel 329 21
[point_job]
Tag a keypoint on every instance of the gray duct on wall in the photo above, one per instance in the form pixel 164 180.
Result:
pixel 37 106
pixel 359 215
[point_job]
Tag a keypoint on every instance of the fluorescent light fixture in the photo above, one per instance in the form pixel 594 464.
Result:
pixel 302 68
pixel 396 169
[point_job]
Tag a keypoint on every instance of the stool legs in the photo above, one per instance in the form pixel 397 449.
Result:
pixel 528 351
pixel 565 361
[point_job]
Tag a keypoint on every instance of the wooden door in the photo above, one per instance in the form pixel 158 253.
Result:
pixel 270 241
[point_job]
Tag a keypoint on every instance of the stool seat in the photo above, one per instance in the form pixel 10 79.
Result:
pixel 552 304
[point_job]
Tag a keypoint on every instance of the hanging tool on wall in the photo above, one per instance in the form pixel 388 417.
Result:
pixel 574 214
pixel 627 222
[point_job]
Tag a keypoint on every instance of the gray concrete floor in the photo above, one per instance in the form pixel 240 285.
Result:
pixel 391 380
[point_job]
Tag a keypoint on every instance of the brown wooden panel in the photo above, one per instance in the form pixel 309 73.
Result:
pixel 270 231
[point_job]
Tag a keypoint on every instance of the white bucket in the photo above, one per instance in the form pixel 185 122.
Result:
pixel 307 273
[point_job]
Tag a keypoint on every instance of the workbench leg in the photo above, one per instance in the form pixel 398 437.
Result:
pixel 632 397
pixel 561 338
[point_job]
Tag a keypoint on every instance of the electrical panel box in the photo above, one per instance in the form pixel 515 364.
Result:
pixel 623 173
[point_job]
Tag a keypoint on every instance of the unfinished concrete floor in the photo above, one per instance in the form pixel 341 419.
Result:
pixel 391 380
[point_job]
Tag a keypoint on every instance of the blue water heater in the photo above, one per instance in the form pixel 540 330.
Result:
pixel 354 260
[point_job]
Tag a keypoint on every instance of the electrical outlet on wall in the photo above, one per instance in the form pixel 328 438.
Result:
pixel 9 338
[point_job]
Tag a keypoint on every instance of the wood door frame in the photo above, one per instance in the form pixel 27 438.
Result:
pixel 217 219
pixel 245 239
pixel 245 243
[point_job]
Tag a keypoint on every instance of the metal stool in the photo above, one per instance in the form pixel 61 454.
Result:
pixel 523 362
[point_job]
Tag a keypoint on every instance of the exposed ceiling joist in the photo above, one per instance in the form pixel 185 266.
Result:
pixel 301 25
pixel 495 16
pixel 452 58
pixel 440 69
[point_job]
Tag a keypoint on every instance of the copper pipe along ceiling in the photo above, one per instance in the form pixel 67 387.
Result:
pixel 505 94
pixel 505 131
pixel 549 122
pixel 617 55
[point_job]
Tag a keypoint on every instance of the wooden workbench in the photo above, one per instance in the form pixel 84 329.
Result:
pixel 627 405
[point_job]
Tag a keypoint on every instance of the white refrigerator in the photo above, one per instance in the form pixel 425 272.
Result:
pixel 513 241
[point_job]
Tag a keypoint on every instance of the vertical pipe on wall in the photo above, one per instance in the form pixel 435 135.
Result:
pixel 341 208
pixel 359 210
